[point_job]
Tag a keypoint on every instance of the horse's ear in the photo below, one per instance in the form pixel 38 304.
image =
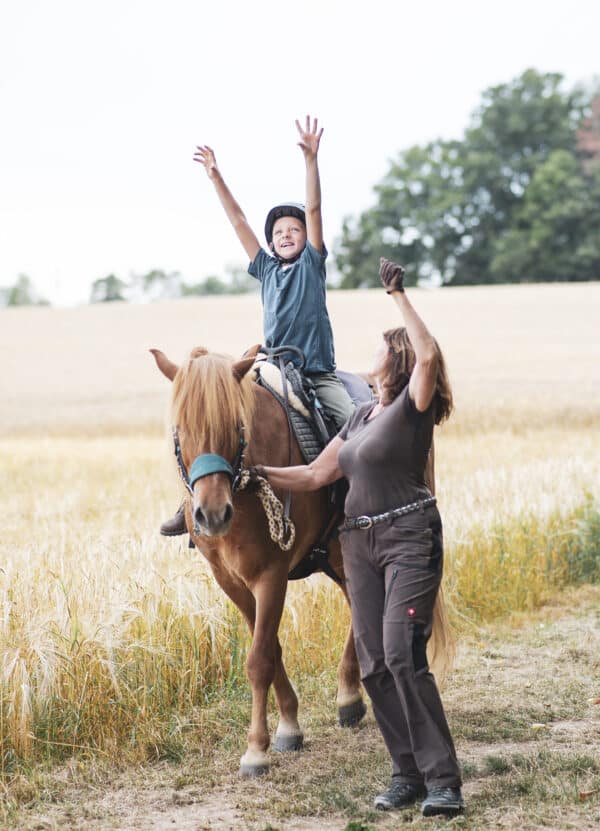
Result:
pixel 241 367
pixel 253 351
pixel 167 367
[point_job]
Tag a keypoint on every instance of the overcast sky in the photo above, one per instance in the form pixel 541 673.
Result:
pixel 102 103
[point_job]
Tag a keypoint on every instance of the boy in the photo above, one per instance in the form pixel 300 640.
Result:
pixel 292 280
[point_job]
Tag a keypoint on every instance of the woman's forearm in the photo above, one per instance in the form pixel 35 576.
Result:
pixel 320 472
pixel 298 478
pixel 420 337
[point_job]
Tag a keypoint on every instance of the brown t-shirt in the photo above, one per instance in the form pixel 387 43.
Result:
pixel 384 459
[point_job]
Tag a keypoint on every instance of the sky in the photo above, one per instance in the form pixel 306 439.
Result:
pixel 103 103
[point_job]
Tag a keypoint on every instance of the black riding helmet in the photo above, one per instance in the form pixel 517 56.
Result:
pixel 285 209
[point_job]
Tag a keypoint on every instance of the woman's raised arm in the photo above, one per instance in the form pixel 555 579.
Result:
pixel 423 379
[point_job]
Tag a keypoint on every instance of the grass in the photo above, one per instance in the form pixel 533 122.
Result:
pixel 516 775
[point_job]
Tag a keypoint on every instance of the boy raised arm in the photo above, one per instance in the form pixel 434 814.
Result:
pixel 309 144
pixel 205 155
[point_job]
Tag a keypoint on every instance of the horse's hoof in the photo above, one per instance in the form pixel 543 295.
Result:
pixel 284 743
pixel 351 714
pixel 253 771
pixel 254 763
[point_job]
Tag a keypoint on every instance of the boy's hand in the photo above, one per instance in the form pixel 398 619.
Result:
pixel 309 139
pixel 205 155
pixel 391 275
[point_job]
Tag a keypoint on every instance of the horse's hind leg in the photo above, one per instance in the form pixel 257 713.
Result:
pixel 351 707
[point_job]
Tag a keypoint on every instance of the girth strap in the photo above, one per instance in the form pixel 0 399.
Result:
pixel 288 496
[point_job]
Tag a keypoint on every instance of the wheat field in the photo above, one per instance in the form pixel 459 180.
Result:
pixel 110 635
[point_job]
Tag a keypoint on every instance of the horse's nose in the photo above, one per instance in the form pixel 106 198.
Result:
pixel 228 514
pixel 199 516
pixel 215 522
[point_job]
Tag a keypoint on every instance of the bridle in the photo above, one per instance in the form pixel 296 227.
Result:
pixel 281 527
pixel 208 463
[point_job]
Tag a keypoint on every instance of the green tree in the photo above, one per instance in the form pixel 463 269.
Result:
pixel 22 293
pixel 237 281
pixel 553 237
pixel 447 210
pixel 157 284
pixel 107 289
pixel 210 285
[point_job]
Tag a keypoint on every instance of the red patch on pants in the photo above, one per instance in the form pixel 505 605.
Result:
pixel 411 612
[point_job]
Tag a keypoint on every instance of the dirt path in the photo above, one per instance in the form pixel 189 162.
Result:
pixel 527 736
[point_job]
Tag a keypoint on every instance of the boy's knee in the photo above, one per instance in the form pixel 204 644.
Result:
pixel 334 398
pixel 341 417
pixel 340 406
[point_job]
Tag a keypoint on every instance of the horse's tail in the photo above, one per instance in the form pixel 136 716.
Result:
pixel 442 644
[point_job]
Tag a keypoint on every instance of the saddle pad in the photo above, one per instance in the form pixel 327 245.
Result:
pixel 305 430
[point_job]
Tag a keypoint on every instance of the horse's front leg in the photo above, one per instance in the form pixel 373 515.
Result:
pixel 289 735
pixel 263 662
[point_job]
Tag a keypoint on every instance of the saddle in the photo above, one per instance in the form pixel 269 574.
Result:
pixel 313 429
pixel 312 426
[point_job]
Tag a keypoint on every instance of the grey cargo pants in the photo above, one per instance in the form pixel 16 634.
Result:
pixel 333 397
pixel 394 571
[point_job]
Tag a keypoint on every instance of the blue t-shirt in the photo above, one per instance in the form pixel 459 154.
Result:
pixel 295 311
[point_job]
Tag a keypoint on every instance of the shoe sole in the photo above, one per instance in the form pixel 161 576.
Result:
pixel 386 806
pixel 446 810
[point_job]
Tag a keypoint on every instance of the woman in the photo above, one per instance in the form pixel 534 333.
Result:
pixel 392 548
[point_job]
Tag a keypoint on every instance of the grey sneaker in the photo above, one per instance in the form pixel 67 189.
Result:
pixel 398 795
pixel 447 801
pixel 176 525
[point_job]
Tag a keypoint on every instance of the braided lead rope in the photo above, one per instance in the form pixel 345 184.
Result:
pixel 280 526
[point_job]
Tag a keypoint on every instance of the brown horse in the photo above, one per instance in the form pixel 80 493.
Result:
pixel 213 399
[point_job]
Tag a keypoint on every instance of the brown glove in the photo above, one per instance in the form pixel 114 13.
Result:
pixel 257 472
pixel 391 275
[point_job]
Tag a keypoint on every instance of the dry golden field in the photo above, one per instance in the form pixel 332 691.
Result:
pixel 516 353
pixel 113 640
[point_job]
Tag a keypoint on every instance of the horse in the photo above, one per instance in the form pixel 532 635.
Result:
pixel 224 420
pixel 214 402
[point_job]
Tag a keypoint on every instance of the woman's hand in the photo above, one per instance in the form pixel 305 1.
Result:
pixel 391 275
pixel 257 472
pixel 206 156
pixel 309 139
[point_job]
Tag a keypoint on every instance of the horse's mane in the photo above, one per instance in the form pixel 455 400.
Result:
pixel 209 404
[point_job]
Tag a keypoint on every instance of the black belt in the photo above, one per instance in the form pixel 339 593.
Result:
pixel 366 522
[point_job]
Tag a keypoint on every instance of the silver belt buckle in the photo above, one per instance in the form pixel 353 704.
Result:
pixel 364 523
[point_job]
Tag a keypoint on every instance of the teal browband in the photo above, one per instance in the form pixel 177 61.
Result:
pixel 206 464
